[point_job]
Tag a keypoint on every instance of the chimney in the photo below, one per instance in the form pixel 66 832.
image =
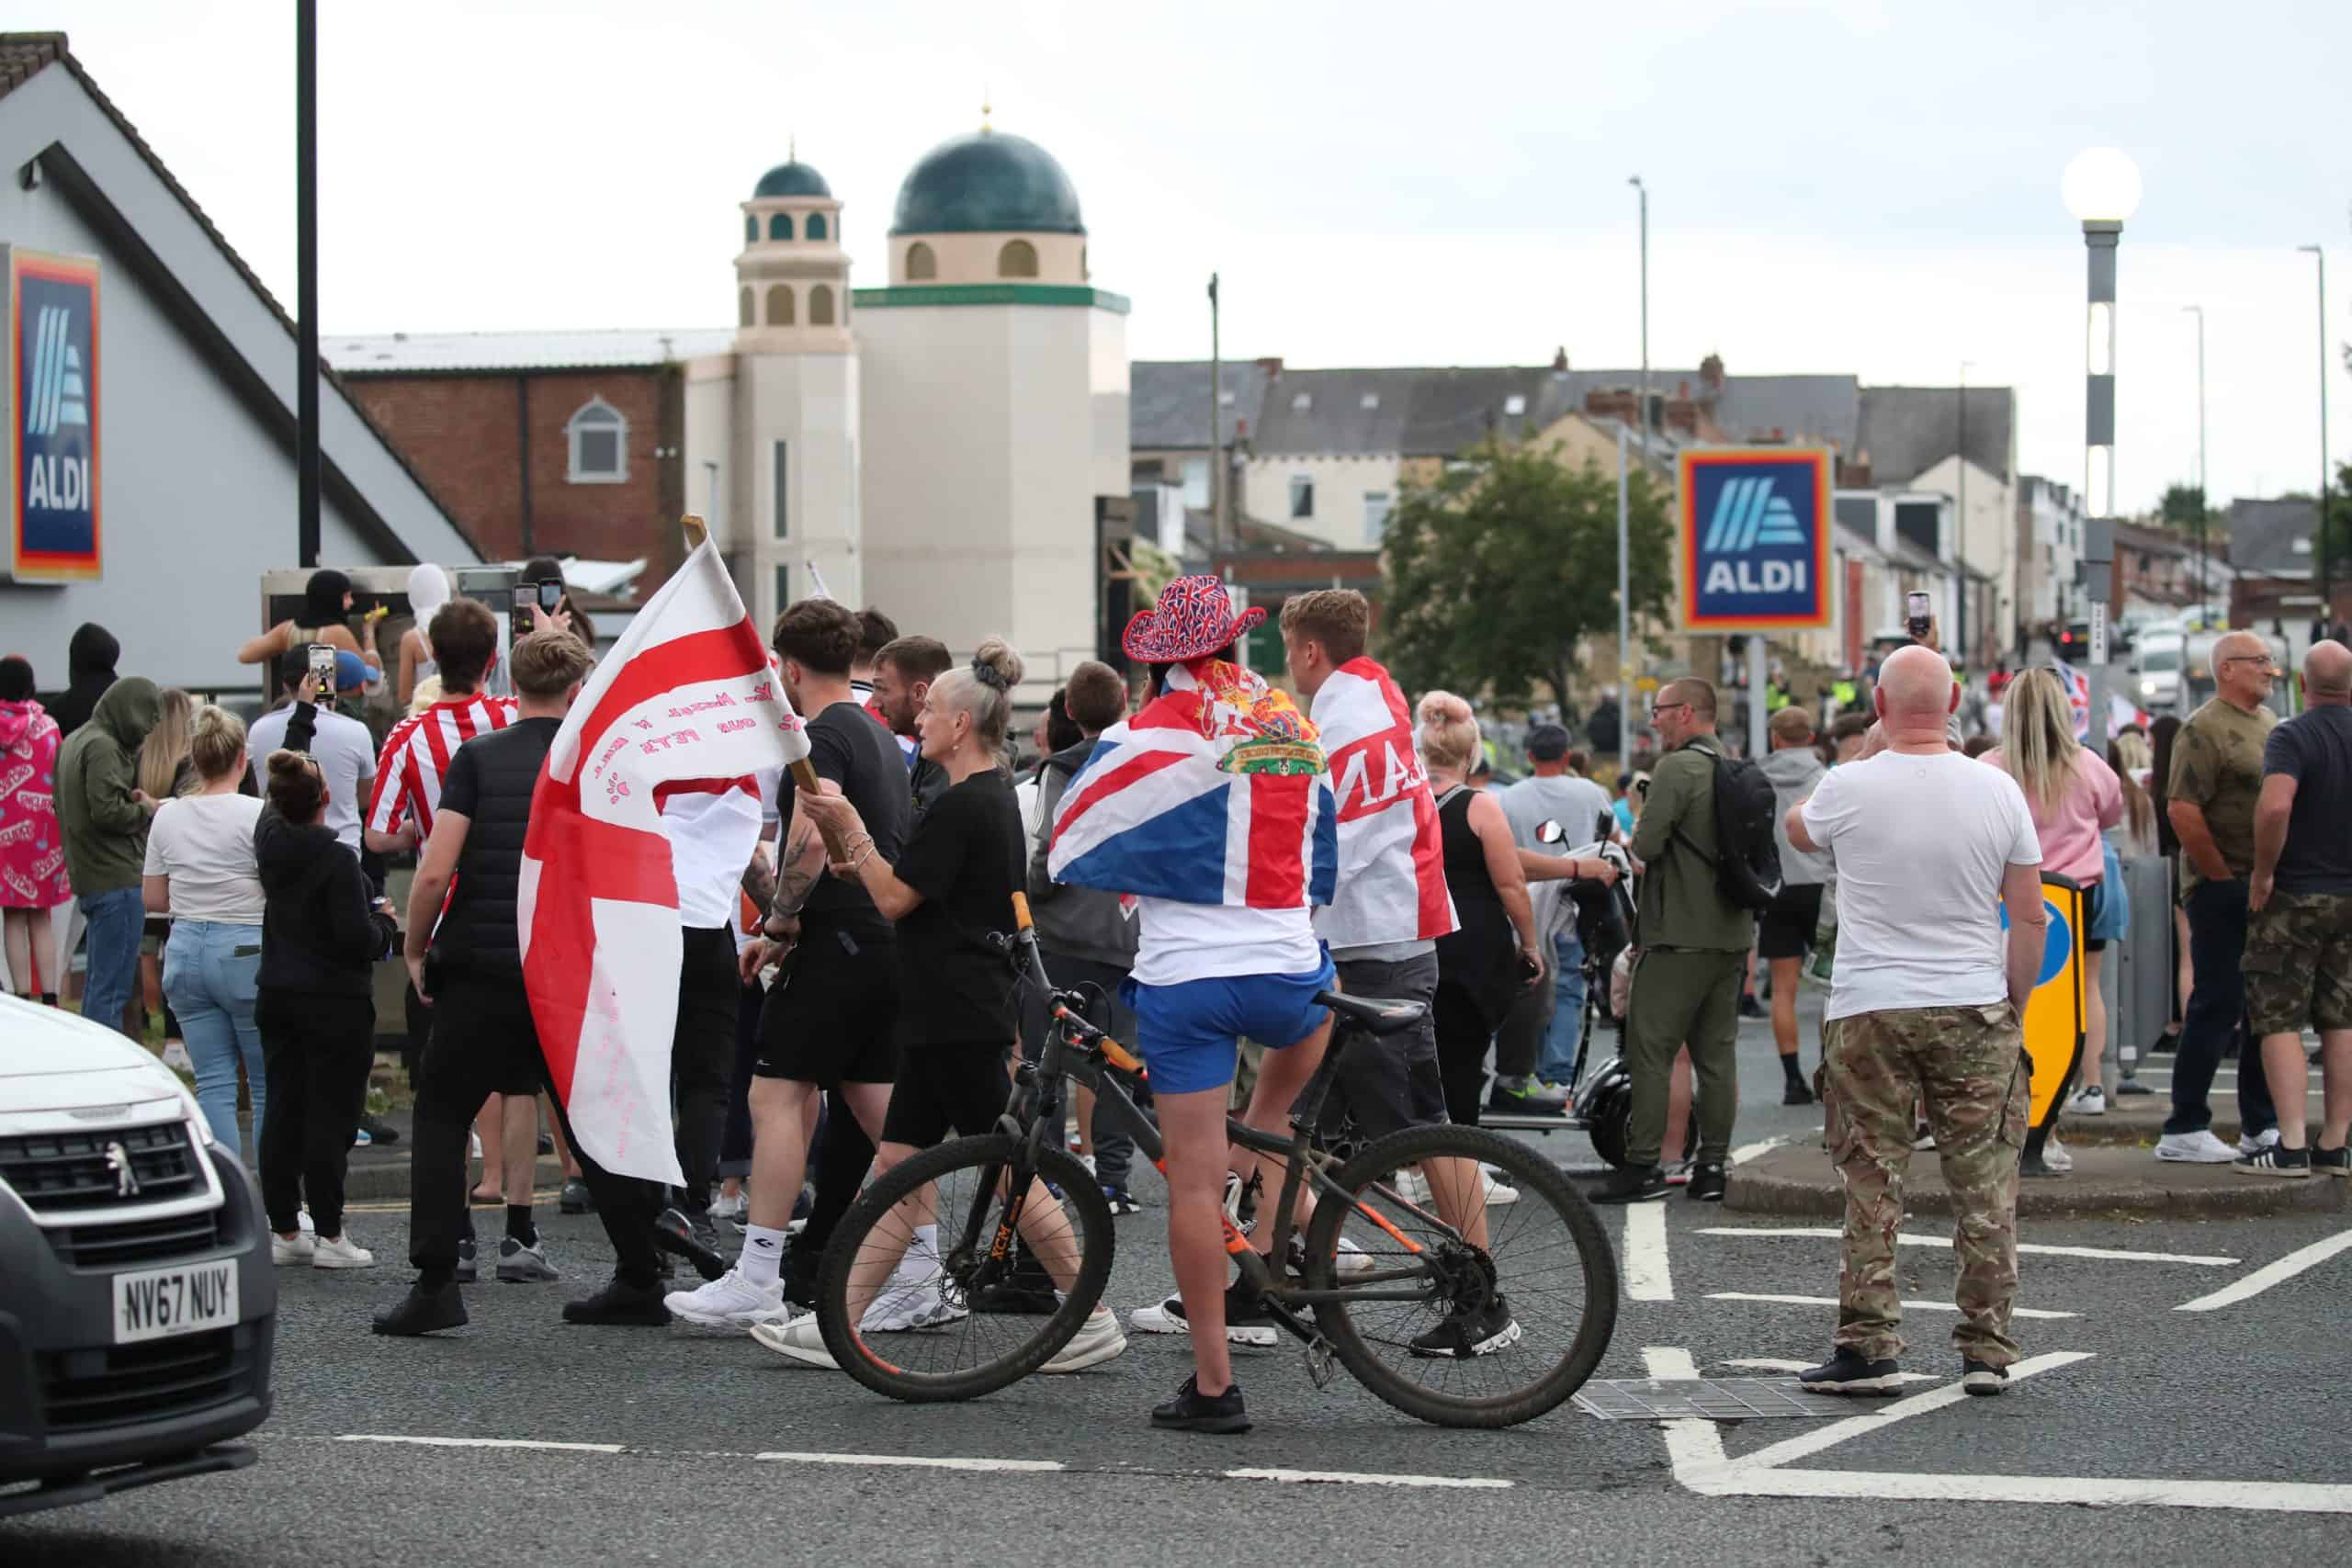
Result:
pixel 1711 373
pixel 1616 402
pixel 1560 360
pixel 1682 414
pixel 1271 365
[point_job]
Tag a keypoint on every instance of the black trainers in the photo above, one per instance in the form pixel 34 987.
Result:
pixel 1982 1381
pixel 1467 1335
pixel 1027 1292
pixel 1847 1372
pixel 1193 1411
pixel 1122 1201
pixel 622 1304
pixel 1633 1184
pixel 469 1268
pixel 2276 1159
pixel 2336 1162
pixel 1795 1093
pixel 424 1312
pixel 380 1132
pixel 575 1198
pixel 674 1234
pixel 1526 1097
pixel 1706 1184
pixel 1750 1008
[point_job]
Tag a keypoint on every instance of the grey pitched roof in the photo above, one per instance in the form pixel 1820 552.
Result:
pixel 2263 535
pixel 1906 431
pixel 1807 407
pixel 1168 401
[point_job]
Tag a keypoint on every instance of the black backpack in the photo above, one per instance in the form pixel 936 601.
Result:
pixel 1747 861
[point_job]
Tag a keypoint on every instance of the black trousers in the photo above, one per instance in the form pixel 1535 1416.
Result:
pixel 735 1142
pixel 839 1163
pixel 702 1053
pixel 485 1044
pixel 317 1052
pixel 2217 926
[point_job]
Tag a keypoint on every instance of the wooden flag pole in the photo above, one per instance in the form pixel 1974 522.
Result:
pixel 804 775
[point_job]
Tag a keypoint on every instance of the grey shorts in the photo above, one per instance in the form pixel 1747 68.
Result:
pixel 1389 1082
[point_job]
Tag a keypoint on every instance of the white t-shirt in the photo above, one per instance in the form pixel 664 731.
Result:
pixel 1181 942
pixel 713 834
pixel 204 844
pixel 345 753
pixel 1922 843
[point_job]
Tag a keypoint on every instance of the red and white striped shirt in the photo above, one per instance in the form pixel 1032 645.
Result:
pixel 416 759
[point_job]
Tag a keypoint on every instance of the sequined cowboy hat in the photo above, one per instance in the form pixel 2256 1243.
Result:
pixel 1193 619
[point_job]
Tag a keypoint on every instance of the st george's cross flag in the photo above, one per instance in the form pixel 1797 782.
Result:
pixel 686 695
pixel 1217 793
pixel 1392 858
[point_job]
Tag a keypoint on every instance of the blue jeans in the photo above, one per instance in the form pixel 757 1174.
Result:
pixel 114 921
pixel 1565 1032
pixel 210 974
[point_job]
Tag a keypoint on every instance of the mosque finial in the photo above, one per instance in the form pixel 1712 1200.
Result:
pixel 985 95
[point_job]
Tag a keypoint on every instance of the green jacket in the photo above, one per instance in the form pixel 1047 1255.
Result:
pixel 106 831
pixel 1680 905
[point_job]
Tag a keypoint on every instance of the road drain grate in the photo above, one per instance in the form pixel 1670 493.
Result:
pixel 1704 1399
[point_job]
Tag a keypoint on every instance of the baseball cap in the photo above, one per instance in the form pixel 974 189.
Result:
pixel 1548 742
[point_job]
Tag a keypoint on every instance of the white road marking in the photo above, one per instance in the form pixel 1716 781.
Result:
pixel 2110 1254
pixel 1363 1478
pixel 1886 1416
pixel 1747 1152
pixel 1832 1301
pixel 1647 1277
pixel 1691 1444
pixel 484 1443
pixel 2271 1274
pixel 1765 1364
pixel 923 1461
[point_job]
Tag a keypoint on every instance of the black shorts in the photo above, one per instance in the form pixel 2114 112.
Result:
pixel 831 1015
pixel 489 1026
pixel 963 1088
pixel 1390 1082
pixel 1786 930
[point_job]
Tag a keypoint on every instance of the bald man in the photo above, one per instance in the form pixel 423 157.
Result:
pixel 2216 782
pixel 2299 941
pixel 1926 1007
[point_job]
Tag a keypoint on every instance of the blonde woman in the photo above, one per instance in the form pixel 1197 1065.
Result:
pixel 2075 798
pixel 163 772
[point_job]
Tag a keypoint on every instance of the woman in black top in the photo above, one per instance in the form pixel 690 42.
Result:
pixel 949 893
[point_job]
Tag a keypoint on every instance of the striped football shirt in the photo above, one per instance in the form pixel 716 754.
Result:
pixel 416 759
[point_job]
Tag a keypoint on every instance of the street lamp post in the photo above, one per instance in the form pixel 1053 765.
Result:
pixel 2327 599
pixel 1624 606
pixel 1216 420
pixel 2203 591
pixel 2102 189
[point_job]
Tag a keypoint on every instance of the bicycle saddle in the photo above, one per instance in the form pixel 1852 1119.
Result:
pixel 1381 1015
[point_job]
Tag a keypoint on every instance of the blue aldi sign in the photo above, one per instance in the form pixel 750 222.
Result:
pixel 53 415
pixel 1755 528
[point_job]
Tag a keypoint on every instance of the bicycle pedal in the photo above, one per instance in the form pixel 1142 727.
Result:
pixel 1322 1366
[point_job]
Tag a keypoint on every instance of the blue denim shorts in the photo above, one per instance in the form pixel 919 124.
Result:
pixel 1189 1033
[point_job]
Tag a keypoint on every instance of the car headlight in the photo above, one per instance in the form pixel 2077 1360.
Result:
pixel 196 1114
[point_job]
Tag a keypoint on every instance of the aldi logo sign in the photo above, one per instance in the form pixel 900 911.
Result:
pixel 1755 538
pixel 53 415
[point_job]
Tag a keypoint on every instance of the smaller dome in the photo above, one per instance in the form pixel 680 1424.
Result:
pixel 795 178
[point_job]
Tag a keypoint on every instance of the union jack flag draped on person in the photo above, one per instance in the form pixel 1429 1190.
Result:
pixel 1217 793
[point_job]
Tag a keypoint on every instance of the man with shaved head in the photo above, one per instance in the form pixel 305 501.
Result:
pixel 2299 942
pixel 1926 1007
pixel 2211 797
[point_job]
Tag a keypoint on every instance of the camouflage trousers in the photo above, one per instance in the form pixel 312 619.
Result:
pixel 2298 963
pixel 1966 1066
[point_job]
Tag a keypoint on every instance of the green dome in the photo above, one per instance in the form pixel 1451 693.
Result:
pixel 987 183
pixel 795 178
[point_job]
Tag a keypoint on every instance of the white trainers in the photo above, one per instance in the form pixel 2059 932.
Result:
pixel 2091 1101
pixel 1353 1259
pixel 302 1222
pixel 283 1252
pixel 1167 1317
pixel 1414 1188
pixel 910 1298
pixel 1498 1194
pixel 737 1209
pixel 799 1340
pixel 2195 1148
pixel 1098 1340
pixel 340 1252
pixel 2055 1156
pixel 2255 1145
pixel 731 1300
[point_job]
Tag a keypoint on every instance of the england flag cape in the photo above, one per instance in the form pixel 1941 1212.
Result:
pixel 1392 856
pixel 1217 793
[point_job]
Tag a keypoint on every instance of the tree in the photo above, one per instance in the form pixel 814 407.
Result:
pixel 2183 508
pixel 1497 571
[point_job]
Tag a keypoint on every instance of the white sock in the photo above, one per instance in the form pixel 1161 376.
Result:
pixel 926 1243
pixel 762 1260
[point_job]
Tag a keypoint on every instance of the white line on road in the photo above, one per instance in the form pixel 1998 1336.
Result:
pixel 920 1461
pixel 1832 1301
pixel 1691 1444
pixel 1363 1478
pixel 1765 1364
pixel 1647 1277
pixel 2110 1254
pixel 1837 1432
pixel 2271 1274
pixel 1747 1152
pixel 484 1443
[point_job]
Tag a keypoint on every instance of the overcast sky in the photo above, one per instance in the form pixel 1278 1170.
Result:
pixel 1837 187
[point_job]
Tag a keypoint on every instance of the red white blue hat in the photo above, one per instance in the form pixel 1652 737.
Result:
pixel 1193 619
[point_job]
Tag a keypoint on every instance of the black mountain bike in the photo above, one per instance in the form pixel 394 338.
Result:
pixel 1449 1310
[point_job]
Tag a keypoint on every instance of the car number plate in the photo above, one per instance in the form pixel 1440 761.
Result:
pixel 157 1303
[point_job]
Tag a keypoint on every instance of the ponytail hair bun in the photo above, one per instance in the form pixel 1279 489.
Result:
pixel 995 664
pixel 1448 732
pixel 1442 707
pixel 295 786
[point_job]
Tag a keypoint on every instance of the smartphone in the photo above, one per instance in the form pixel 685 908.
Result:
pixel 1917 611
pixel 552 594
pixel 323 668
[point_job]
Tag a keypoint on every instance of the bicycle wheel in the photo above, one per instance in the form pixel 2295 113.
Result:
pixel 965 1320
pixel 1497 1335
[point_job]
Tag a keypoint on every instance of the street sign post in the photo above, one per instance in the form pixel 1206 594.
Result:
pixel 1756 524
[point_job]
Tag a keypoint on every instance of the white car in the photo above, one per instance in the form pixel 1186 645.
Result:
pixel 137 1306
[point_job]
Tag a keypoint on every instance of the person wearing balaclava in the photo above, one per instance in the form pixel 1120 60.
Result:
pixel 428 590
pixel 325 617
pixel 90 659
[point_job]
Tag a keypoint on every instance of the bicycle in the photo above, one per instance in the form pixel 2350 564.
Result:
pixel 1409 1272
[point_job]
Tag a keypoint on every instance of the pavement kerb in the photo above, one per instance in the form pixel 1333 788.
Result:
pixel 1800 1182
pixel 384 1178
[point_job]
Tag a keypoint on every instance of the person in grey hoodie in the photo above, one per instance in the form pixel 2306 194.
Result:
pixel 1086 935
pixel 1784 934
